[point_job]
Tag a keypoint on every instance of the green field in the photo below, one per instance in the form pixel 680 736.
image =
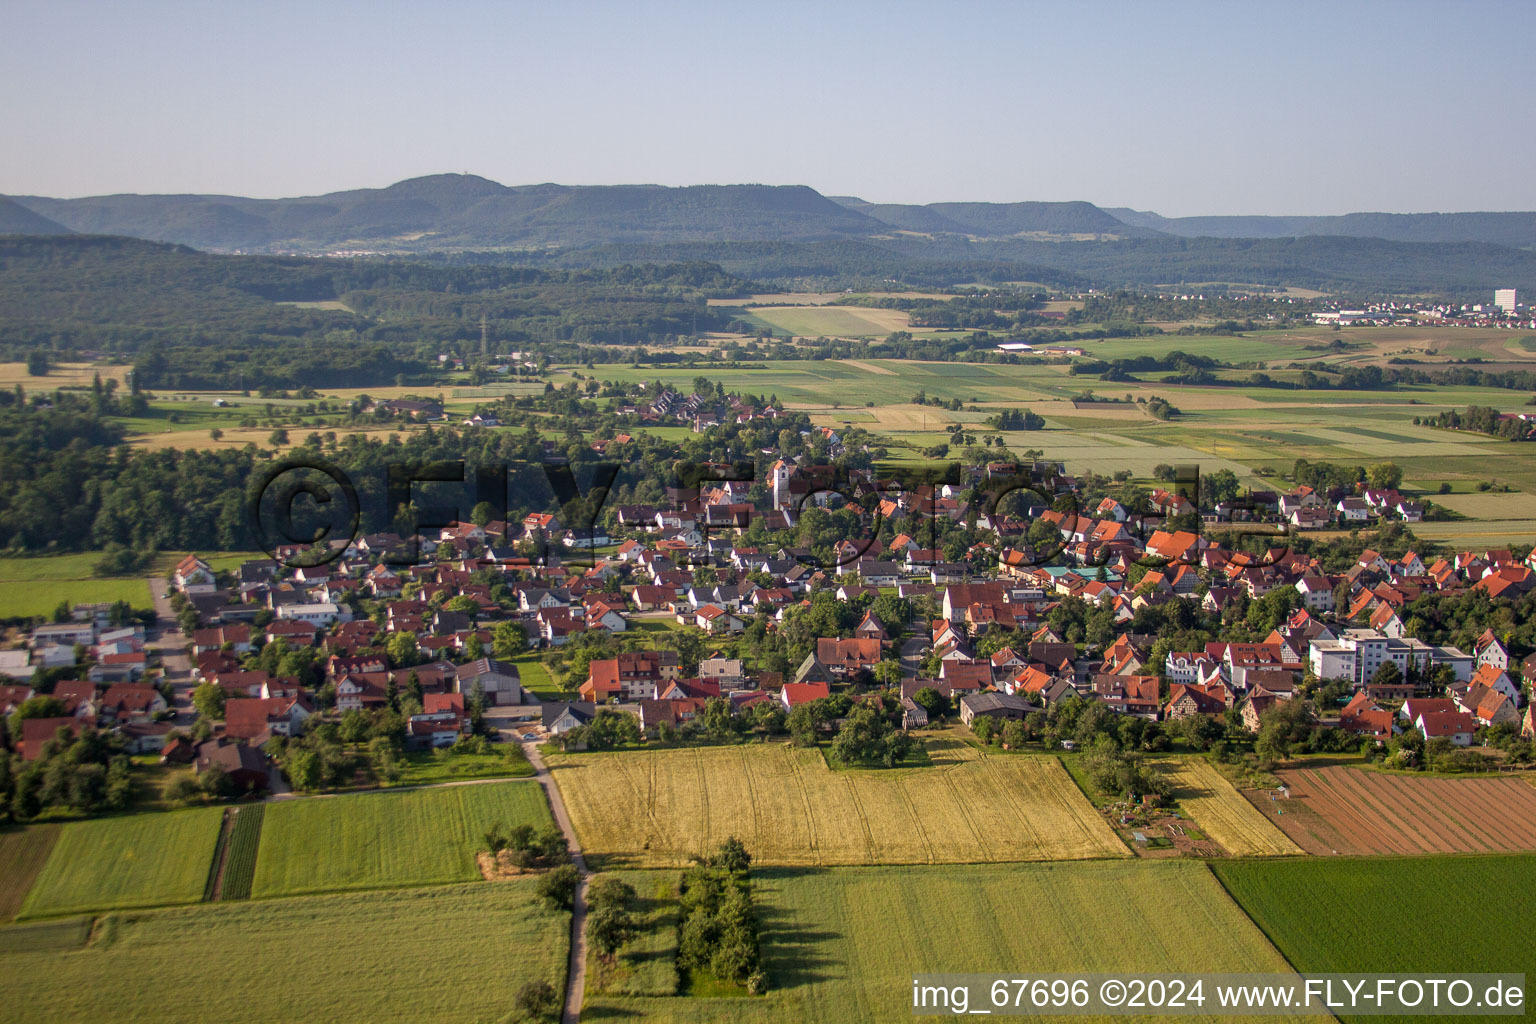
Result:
pixel 378 840
pixel 23 852
pixel 50 579
pixel 1237 427
pixel 646 966
pixel 830 321
pixel 422 768
pixel 842 945
pixel 144 860
pixel 1397 914
pixel 448 954
pixel 1353 929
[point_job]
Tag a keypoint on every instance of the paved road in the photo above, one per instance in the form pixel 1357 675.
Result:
pixel 576 975
pixel 912 650
pixel 160 590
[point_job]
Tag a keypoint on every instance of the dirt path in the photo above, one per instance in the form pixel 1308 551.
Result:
pixel 576 974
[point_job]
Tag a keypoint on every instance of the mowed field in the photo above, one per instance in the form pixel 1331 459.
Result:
pixel 1402 915
pixel 662 808
pixel 448 954
pixel 841 944
pixel 23 852
pixel 1339 810
pixel 379 840
pixel 1223 813
pixel 830 321
pixel 35 586
pixel 141 860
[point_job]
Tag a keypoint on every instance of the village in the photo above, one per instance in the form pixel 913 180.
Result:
pixel 681 605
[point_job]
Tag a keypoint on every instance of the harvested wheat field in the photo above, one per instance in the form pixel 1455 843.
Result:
pixel 1347 811
pixel 1222 812
pixel 661 808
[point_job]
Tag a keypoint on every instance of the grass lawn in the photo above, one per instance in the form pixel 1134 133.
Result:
pixel 427 767
pixel 646 966
pixel 48 579
pixel 1395 915
pixel 378 840
pixel 143 860
pixel 23 852
pixel 447 954
pixel 841 945
pixel 659 808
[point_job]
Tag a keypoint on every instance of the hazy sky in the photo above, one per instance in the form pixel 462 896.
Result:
pixel 1182 108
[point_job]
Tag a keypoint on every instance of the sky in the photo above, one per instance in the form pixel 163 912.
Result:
pixel 1183 108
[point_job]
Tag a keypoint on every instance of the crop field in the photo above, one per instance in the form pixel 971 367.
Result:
pixel 143 860
pixel 660 808
pixel 240 861
pixel 1338 810
pixel 841 945
pixel 1490 506
pixel 378 840
pixel 832 321
pixel 1222 812
pixel 1479 534
pixel 1404 914
pixel 23 852
pixel 449 954
pixel 60 375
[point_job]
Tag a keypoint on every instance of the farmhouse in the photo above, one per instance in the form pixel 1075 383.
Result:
pixel 993 705
pixel 498 679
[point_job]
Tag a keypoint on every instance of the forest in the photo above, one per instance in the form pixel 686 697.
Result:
pixel 193 320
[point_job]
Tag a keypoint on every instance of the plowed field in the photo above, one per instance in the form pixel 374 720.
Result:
pixel 1346 811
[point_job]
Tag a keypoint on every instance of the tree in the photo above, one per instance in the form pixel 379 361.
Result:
pixel 733 856
pixel 1387 674
pixel 37 363
pixel 803 724
pixel 1283 727
pixel 481 513
pixel 931 701
pixel 208 698
pixel 984 727
pixel 353 726
pixel 537 1002
pixel 868 737
pixel 402 649
pixel 508 640
pixel 888 673
pixel 278 438
pixel 558 886
pixel 39 706
pixel 610 922
pixel 1384 476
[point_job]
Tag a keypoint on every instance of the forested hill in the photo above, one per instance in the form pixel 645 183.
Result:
pixel 16 219
pixel 192 319
pixel 455 210
pixel 463 211
pixel 1511 229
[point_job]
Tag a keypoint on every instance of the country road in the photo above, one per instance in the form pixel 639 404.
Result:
pixel 576 975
